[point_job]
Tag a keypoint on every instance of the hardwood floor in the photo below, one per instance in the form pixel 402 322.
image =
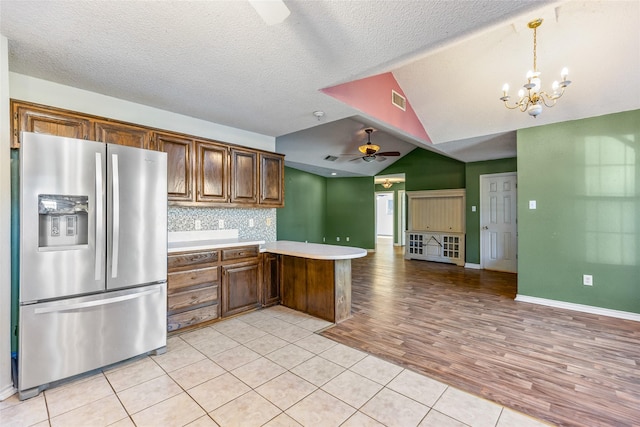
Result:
pixel 463 327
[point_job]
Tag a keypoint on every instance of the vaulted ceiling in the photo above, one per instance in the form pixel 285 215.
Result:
pixel 220 62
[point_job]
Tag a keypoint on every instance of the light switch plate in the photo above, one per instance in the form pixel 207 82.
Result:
pixel 473 208
pixel 221 224
pixel 532 204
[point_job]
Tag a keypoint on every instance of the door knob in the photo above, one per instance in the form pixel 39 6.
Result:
pixel 485 227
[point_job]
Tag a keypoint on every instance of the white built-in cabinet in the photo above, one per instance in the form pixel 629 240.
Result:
pixel 436 223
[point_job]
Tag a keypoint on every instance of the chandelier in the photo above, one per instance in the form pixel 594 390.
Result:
pixel 531 98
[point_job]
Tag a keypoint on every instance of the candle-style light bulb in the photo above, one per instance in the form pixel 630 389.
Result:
pixel 564 73
pixel 555 86
pixel 529 74
pixel 505 88
pixel 521 93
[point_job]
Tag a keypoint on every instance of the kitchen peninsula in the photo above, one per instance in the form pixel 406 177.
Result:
pixel 214 274
pixel 315 278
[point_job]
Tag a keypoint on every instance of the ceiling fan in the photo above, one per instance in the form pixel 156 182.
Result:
pixel 372 151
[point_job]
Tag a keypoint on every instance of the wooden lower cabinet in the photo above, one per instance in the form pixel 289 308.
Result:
pixel 209 284
pixel 193 288
pixel 240 287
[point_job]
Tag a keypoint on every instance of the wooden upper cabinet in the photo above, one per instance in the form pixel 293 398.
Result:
pixel 244 176
pixel 179 165
pixel 212 172
pixel 271 179
pixel 32 118
pixel 122 134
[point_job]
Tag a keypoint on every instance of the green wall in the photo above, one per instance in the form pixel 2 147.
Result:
pixel 320 210
pixel 351 212
pixel 426 170
pixel 585 178
pixel 303 217
pixel 472 175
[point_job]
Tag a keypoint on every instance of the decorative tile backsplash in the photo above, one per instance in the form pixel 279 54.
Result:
pixel 264 221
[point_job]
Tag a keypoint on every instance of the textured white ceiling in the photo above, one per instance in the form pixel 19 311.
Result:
pixel 218 61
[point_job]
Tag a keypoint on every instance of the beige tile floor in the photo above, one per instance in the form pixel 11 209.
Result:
pixel 265 368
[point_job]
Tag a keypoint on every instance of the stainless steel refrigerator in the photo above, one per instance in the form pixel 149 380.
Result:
pixel 93 257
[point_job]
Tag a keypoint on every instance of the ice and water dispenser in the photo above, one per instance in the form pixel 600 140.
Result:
pixel 63 221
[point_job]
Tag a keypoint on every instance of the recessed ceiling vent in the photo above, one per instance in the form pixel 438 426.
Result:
pixel 331 158
pixel 398 100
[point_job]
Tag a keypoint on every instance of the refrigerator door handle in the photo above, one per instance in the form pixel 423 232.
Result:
pixel 99 219
pixel 116 217
pixel 95 303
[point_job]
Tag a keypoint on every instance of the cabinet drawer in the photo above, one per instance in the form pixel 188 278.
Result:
pixel 181 301
pixel 239 253
pixel 193 317
pixel 201 276
pixel 181 260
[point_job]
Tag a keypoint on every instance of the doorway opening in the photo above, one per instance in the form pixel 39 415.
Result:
pixel 390 206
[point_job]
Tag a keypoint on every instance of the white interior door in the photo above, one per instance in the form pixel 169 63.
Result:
pixel 498 222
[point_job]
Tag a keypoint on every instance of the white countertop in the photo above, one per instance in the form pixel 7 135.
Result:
pixel 206 239
pixel 314 250
pixel 199 245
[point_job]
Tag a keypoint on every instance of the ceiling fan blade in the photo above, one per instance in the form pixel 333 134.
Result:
pixel 380 158
pixel 356 159
pixel 389 153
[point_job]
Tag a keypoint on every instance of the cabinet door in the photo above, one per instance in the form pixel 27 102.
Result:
pixel 122 134
pixel 179 166
pixel 240 287
pixel 49 121
pixel 244 176
pixel 212 183
pixel 271 180
pixel 270 279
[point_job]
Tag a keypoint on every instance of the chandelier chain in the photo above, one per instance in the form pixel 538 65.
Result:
pixel 535 45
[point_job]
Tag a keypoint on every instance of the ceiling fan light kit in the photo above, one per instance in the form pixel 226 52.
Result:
pixel 369 149
pixel 531 97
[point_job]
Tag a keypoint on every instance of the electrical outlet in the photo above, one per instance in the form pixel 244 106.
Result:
pixel 221 224
pixel 337 239
pixel 587 279
pixel 347 239
pixel 197 224
pixel 251 224
pixel 268 222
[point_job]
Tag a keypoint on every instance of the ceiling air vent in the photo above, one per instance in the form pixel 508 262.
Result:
pixel 331 158
pixel 398 100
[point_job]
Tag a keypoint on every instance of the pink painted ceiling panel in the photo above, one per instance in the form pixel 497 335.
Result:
pixel 372 95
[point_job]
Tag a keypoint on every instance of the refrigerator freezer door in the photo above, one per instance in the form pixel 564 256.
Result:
pixel 62 192
pixel 76 335
pixel 137 232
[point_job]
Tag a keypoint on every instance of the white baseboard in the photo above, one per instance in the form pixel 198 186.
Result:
pixel 580 307
pixel 7 392
pixel 472 265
